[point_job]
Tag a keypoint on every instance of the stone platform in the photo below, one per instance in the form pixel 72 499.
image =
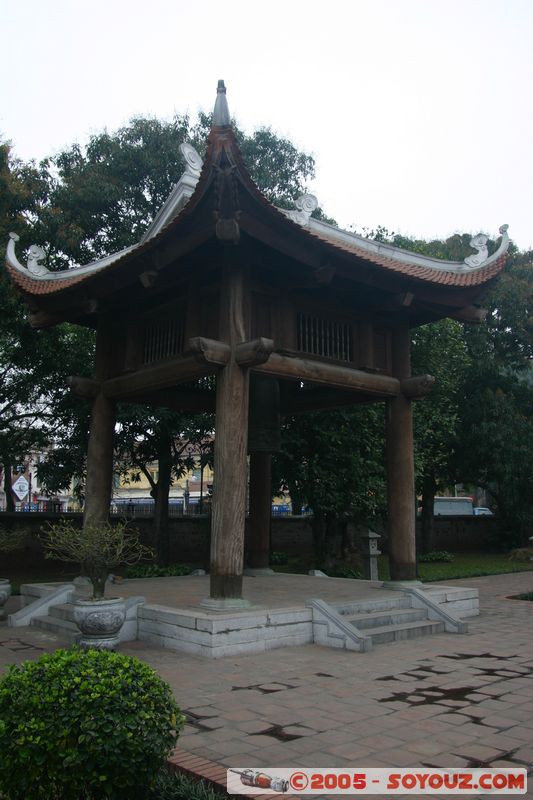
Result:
pixel 285 610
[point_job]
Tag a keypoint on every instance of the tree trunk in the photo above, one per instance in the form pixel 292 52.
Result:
pixel 429 487
pixel 8 471
pixel 328 540
pixel 319 539
pixel 297 500
pixel 161 493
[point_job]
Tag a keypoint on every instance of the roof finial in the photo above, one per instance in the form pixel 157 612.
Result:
pixel 221 113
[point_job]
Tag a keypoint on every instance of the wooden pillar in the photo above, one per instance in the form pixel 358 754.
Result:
pixel 264 438
pixel 400 467
pixel 98 486
pixel 230 469
pixel 260 510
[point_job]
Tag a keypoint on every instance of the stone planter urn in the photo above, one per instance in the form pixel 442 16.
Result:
pixel 5 594
pixel 100 622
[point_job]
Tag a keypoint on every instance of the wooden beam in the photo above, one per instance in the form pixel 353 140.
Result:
pixel 209 351
pixel 472 314
pixel 84 387
pixel 162 376
pixel 333 375
pixel 302 401
pixel 203 357
pixel 417 386
pixel 253 353
pixel 176 400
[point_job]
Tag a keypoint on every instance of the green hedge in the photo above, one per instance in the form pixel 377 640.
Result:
pixel 84 725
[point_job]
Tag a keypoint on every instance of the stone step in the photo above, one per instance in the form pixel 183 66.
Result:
pixel 395 601
pixel 64 611
pixel 62 627
pixel 409 630
pixel 391 617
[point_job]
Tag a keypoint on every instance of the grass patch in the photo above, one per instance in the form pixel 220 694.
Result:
pixel 464 565
pixel 177 786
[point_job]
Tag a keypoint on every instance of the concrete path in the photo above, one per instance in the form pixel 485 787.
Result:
pixel 444 701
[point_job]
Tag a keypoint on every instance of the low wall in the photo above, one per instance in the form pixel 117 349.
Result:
pixel 458 534
pixel 190 536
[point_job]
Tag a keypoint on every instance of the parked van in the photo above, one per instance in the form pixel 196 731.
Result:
pixel 453 506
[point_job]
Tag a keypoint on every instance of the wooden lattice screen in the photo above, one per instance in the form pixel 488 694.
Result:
pixel 325 337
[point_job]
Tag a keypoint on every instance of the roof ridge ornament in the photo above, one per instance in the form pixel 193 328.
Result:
pixel 221 115
pixel 181 193
pixel 479 243
pixel 35 254
pixel 304 207
pixel 193 160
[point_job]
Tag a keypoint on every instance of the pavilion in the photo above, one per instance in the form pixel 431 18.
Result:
pixel 288 312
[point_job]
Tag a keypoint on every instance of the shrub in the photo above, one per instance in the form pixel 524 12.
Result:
pixel 435 555
pixel 344 572
pixel 14 540
pixel 278 557
pixel 84 725
pixel 155 571
pixel 521 554
pixel 97 547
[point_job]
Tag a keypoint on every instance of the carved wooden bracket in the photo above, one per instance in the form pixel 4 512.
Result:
pixel 256 351
pixel 208 351
pixel 84 387
pixel 417 386
pixel 148 278
pixel 324 274
pixel 472 314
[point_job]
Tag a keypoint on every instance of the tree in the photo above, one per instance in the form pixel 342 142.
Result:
pixel 495 436
pixel 32 363
pixel 334 462
pixel 438 349
pixel 172 440
pixel 100 198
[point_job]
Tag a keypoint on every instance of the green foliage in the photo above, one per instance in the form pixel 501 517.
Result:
pixel 13 539
pixel 344 572
pixel 334 462
pixel 278 557
pixel 157 571
pixel 435 555
pixel 33 363
pixel 177 786
pixel 495 436
pixel 521 554
pixel 97 547
pixel 332 467
pixel 92 725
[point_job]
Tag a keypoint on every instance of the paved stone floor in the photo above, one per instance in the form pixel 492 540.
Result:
pixel 445 701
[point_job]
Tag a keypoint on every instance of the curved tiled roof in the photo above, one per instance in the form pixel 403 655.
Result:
pixel 35 280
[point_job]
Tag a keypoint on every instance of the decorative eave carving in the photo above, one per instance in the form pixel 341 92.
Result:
pixel 304 207
pixel 180 194
pixel 352 240
pixel 40 272
pixel 35 255
pixel 229 178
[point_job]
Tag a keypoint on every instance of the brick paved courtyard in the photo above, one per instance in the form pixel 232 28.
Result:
pixel 443 701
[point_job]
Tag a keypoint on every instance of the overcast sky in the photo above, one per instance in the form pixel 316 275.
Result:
pixel 418 112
